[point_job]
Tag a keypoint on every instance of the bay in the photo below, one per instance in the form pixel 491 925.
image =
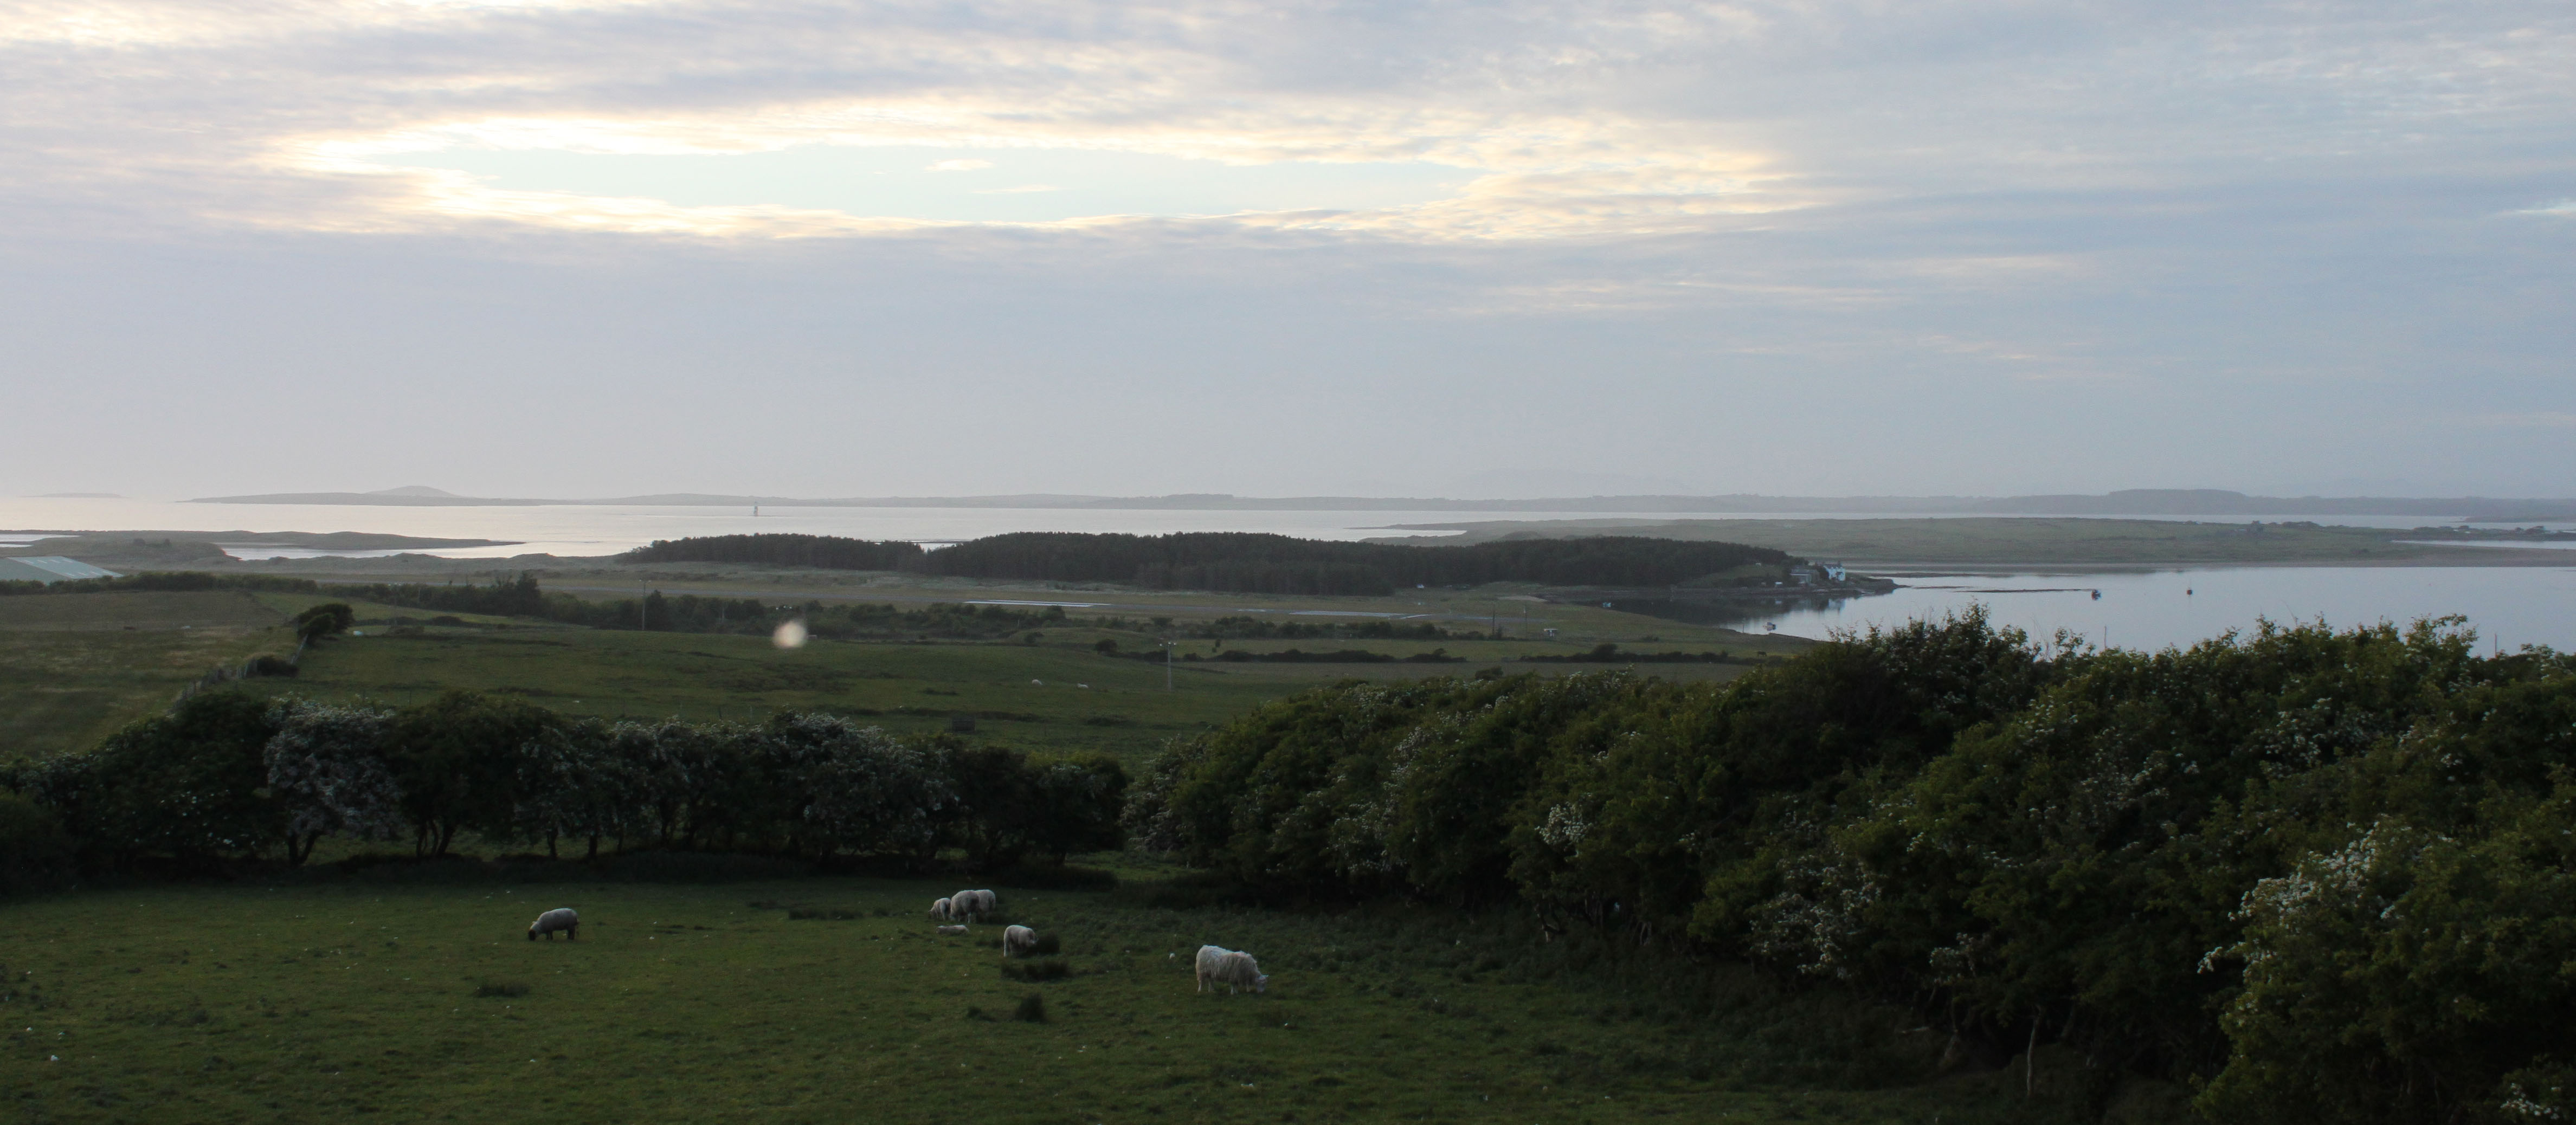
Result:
pixel 2508 606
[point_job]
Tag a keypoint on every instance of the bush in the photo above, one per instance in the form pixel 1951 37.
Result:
pixel 1032 1009
pixel 2156 857
pixel 35 854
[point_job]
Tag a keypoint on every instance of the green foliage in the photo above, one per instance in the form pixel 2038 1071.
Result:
pixel 1279 564
pixel 167 580
pixel 830 552
pixel 230 775
pixel 189 785
pixel 690 613
pixel 35 853
pixel 2114 850
pixel 324 620
pixel 457 759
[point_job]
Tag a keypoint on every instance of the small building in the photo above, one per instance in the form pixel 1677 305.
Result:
pixel 1802 575
pixel 1833 571
pixel 49 569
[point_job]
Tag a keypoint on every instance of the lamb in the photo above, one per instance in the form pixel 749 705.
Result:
pixel 1018 941
pixel 1235 970
pixel 942 909
pixel 952 931
pixel 559 918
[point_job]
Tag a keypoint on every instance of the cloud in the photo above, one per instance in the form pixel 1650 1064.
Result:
pixel 1853 238
pixel 958 165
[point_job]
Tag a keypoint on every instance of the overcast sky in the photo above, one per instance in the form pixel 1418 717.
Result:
pixel 1488 249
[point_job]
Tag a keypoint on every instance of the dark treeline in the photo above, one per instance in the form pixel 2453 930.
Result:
pixel 1278 564
pixel 1613 654
pixel 229 777
pixel 1256 629
pixel 691 613
pixel 181 580
pixel 2329 876
pixel 1241 562
pixel 830 552
pixel 1294 656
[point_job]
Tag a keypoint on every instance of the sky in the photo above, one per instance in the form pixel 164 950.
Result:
pixel 609 247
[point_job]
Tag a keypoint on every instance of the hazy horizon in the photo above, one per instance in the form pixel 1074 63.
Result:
pixel 595 248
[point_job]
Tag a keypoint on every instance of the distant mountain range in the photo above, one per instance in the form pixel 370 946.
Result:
pixel 2129 502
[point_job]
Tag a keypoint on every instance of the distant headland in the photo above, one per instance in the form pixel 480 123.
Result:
pixel 2128 502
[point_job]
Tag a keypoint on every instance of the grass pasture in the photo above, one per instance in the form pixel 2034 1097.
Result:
pixel 1058 695
pixel 73 668
pixel 375 999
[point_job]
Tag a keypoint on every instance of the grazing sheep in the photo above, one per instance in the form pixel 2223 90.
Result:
pixel 1018 941
pixel 559 918
pixel 972 904
pixel 952 931
pixel 1234 970
pixel 942 910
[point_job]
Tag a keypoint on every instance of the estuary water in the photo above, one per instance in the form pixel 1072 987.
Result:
pixel 2509 606
pixel 604 529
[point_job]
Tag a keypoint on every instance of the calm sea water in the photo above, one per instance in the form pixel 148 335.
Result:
pixel 2508 606
pixel 600 529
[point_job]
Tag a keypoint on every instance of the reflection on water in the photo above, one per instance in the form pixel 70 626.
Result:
pixel 2508 606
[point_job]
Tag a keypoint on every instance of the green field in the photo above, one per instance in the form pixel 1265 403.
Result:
pixel 74 667
pixel 374 999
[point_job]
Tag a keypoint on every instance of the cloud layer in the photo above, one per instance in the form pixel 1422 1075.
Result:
pixel 1922 247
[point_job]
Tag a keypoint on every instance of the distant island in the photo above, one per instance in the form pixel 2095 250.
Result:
pixel 2128 502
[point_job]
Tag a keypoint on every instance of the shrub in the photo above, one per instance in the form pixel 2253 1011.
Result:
pixel 1031 1009
pixel 35 853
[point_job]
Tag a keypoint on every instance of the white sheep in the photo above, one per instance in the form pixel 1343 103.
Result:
pixel 1018 941
pixel 952 931
pixel 560 918
pixel 972 904
pixel 1234 970
pixel 943 909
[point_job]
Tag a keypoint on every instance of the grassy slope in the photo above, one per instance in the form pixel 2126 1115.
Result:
pixel 2017 541
pixel 316 1002
pixel 73 668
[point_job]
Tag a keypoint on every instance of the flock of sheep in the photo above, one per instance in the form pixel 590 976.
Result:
pixel 1232 968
